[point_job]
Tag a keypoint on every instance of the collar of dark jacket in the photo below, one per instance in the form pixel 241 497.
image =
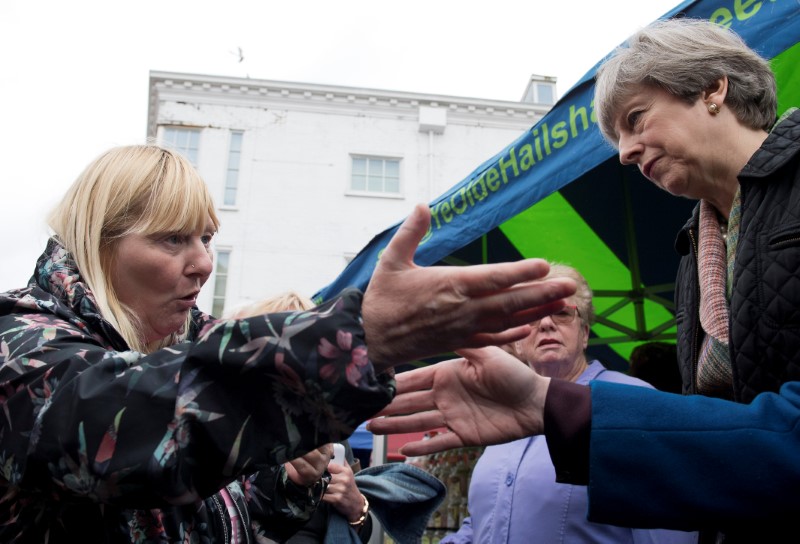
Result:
pixel 781 145
pixel 683 243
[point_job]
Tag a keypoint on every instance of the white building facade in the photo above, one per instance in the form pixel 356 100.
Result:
pixel 304 175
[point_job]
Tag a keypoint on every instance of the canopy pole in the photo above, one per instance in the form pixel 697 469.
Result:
pixel 633 255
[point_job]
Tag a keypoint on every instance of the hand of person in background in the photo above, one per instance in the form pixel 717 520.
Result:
pixel 342 492
pixel 307 470
pixel 411 312
pixel 487 397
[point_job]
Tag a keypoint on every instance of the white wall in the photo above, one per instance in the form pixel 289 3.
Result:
pixel 295 220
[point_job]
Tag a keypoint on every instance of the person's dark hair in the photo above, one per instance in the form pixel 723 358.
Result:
pixel 685 57
pixel 657 364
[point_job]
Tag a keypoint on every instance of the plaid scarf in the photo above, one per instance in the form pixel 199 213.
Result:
pixel 733 237
pixel 715 270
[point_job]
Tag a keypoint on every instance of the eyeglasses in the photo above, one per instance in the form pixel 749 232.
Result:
pixel 564 316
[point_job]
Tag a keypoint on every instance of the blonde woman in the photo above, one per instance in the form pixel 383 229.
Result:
pixel 126 409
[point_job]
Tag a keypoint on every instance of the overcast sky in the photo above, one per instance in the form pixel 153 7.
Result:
pixel 74 75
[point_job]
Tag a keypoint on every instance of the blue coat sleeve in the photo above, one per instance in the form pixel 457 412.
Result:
pixel 684 462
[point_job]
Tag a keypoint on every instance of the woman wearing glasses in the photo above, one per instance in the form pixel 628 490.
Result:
pixel 513 495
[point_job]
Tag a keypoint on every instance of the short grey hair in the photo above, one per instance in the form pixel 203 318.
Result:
pixel 685 57
pixel 583 295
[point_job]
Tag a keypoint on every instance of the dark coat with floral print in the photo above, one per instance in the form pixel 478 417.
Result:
pixel 99 443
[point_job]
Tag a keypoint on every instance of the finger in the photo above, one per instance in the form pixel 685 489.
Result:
pixel 505 317
pixel 335 468
pixel 498 338
pixel 298 475
pixel 319 455
pixel 480 279
pixel 307 468
pixel 291 473
pixel 306 463
pixel 538 311
pixel 419 422
pixel 529 297
pixel 435 444
pixel 326 450
pixel 298 464
pixel 334 488
pixel 480 354
pixel 404 243
pixel 416 380
pixel 409 403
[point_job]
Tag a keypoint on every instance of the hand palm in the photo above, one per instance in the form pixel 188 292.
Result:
pixel 486 398
pixel 484 401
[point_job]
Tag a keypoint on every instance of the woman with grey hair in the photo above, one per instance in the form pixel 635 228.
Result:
pixel 694 108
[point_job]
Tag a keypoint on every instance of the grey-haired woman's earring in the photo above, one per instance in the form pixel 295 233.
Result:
pixel 713 109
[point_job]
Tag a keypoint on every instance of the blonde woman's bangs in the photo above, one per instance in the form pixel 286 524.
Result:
pixel 179 200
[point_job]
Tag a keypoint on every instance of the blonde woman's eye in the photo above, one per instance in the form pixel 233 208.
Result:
pixel 633 118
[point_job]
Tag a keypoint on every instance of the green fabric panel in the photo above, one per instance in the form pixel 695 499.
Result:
pixel 787 75
pixel 553 230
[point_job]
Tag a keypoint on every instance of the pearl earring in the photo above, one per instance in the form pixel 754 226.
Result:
pixel 713 109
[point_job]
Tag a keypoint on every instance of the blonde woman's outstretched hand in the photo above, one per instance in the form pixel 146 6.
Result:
pixel 411 312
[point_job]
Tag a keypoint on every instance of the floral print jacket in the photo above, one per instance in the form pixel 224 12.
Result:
pixel 102 444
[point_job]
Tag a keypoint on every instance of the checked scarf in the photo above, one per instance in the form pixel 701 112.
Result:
pixel 715 269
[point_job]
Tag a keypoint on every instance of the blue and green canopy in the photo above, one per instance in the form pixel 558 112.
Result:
pixel 558 192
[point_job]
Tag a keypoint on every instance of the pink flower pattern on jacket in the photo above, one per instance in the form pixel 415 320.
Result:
pixel 356 370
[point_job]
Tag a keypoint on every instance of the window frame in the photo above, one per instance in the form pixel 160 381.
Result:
pixel 371 160
pixel 543 84
pixel 227 186
pixel 191 153
pixel 215 296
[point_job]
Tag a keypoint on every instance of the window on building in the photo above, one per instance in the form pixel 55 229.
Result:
pixel 185 141
pixel 540 92
pixel 375 175
pixel 220 282
pixel 232 175
pixel 546 93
